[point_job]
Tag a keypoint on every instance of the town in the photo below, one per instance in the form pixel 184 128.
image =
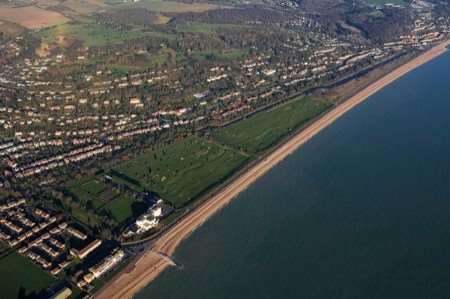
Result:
pixel 87 128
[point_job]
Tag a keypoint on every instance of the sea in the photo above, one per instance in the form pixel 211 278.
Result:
pixel 360 211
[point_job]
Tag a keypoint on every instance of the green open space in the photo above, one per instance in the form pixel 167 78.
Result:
pixel 91 189
pixel 384 2
pixel 264 129
pixel 180 171
pixel 121 208
pixel 166 6
pixel 92 196
pixel 145 61
pixel 93 34
pixel 20 277
pixel 84 216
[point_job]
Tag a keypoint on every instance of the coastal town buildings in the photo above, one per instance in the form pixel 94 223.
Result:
pixel 149 220
pixel 76 114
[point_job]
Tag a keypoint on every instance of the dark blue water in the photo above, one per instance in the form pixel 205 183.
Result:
pixel 361 211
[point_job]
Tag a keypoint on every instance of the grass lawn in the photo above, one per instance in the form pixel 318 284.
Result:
pixel 18 273
pixel 93 187
pixel 382 2
pixel 121 208
pixel 266 128
pixel 168 6
pixel 89 189
pixel 92 34
pixel 146 62
pixel 85 217
pixel 181 171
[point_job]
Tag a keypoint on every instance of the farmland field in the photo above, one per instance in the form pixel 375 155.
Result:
pixel 32 17
pixel 11 29
pixel 181 171
pixel 266 128
pixel 83 7
pixel 20 278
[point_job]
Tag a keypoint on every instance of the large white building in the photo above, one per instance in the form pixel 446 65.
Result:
pixel 149 219
pixel 104 266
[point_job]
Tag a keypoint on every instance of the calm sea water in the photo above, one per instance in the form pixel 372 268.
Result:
pixel 361 211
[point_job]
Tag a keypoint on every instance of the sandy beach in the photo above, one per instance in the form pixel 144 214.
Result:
pixel 148 266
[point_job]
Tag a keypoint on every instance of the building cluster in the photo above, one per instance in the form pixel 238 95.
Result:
pixel 103 267
pixel 54 121
pixel 85 251
pixel 72 156
pixel 35 233
pixel 149 220
pixel 426 31
pixel 48 120
pixel 43 238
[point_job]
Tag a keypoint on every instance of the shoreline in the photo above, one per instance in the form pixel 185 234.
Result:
pixel 149 265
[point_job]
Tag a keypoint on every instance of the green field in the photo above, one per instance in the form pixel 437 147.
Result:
pixel 145 62
pixel 85 216
pixel 167 6
pixel 383 2
pixel 101 197
pixel 20 277
pixel 121 208
pixel 92 34
pixel 265 128
pixel 91 189
pixel 179 172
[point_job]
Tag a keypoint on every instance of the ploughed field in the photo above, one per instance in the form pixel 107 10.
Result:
pixel 31 17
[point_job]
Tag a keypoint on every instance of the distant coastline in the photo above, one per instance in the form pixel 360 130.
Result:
pixel 148 266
